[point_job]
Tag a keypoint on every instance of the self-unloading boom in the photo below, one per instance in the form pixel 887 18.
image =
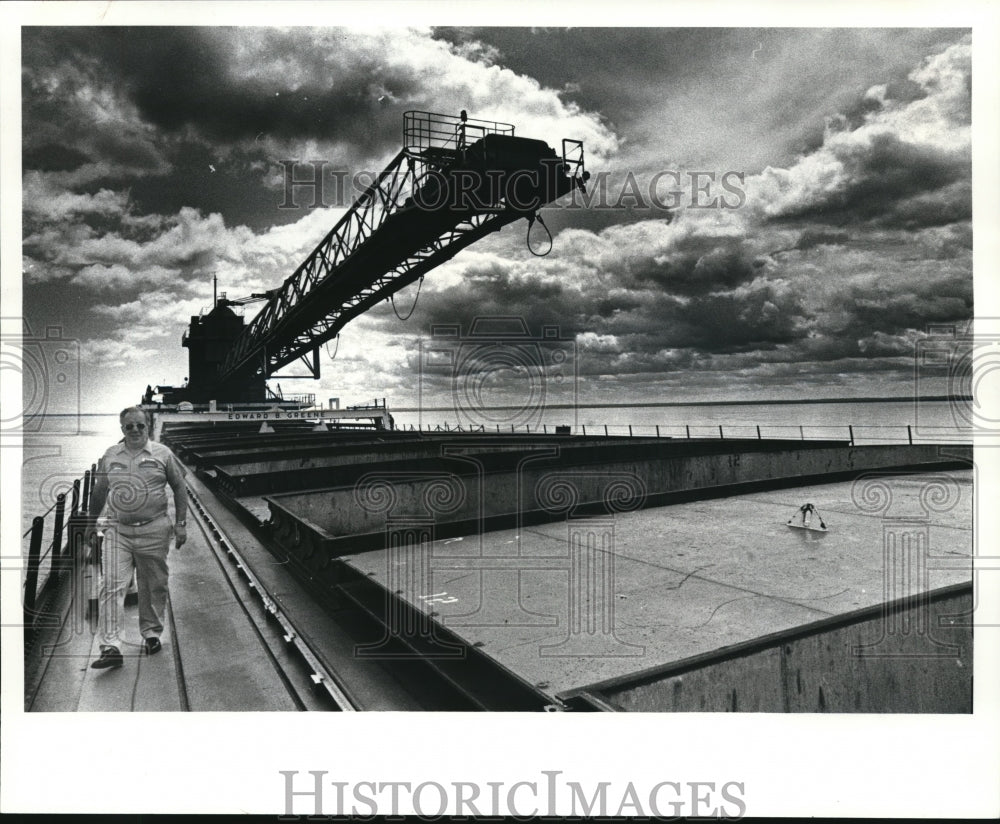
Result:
pixel 455 181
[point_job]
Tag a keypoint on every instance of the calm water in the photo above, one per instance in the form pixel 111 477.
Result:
pixel 53 459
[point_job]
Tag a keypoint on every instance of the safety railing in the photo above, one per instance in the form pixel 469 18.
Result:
pixel 377 403
pixel 61 533
pixel 854 434
pixel 428 130
pixel 301 398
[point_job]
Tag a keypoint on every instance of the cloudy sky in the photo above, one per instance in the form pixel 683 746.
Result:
pixel 152 159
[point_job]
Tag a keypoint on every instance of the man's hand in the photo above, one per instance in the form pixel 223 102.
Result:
pixel 94 527
pixel 180 535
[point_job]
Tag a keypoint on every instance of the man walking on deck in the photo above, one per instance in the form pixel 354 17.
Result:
pixel 131 479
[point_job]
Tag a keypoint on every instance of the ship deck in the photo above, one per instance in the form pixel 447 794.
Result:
pixel 214 655
pixel 681 586
pixel 242 634
pixel 378 571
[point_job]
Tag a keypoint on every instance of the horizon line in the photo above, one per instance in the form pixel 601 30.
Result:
pixel 639 404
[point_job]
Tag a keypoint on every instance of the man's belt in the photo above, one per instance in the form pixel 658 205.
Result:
pixel 141 523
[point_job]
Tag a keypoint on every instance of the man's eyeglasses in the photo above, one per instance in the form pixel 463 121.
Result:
pixel 128 427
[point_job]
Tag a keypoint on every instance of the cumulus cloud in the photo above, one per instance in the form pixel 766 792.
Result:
pixel 76 121
pixel 298 93
pixel 114 354
pixel 832 267
pixel 117 278
pixel 169 250
pixel 45 198
pixel 907 162
pixel 151 310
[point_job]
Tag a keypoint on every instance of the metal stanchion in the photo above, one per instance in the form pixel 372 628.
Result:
pixel 31 579
pixel 57 527
pixel 85 501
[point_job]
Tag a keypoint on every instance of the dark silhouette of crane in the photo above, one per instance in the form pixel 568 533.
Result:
pixel 455 180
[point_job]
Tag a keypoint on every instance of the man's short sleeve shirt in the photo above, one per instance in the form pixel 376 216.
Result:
pixel 137 483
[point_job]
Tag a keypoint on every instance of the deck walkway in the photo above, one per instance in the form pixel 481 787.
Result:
pixel 214 657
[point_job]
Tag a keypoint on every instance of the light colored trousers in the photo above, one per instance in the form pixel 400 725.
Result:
pixel 144 549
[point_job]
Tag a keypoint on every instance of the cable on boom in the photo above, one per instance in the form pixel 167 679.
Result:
pixel 335 349
pixel 392 298
pixel 527 239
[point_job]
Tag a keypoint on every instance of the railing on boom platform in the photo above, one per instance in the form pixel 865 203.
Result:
pixel 428 130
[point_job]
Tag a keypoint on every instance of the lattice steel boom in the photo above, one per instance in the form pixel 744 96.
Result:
pixel 455 181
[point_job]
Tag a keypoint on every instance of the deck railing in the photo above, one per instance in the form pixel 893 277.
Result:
pixel 61 534
pixel 855 434
pixel 55 546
